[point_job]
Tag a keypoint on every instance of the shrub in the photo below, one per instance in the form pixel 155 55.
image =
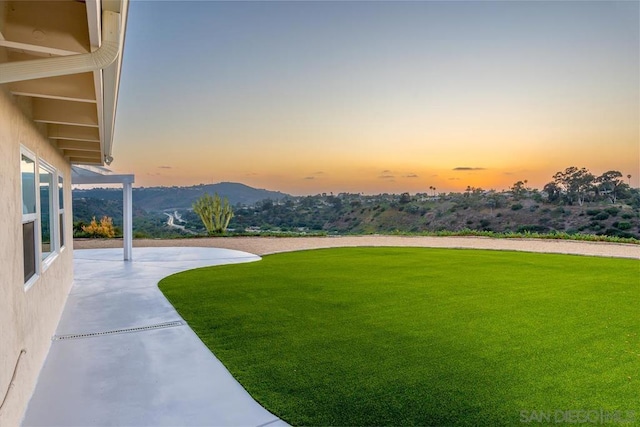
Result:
pixel 104 229
pixel 601 216
pixel 622 225
pixel 592 212
pixel 612 211
pixel 618 233
pixel 532 228
pixel 214 212
pixel 627 215
pixel 516 207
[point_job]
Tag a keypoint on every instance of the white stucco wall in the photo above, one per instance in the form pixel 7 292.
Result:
pixel 28 318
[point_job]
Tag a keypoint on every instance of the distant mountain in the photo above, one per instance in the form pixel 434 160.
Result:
pixel 163 198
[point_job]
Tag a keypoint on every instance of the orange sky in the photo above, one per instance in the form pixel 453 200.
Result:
pixel 378 96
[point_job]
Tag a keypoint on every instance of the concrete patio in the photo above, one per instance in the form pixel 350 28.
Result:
pixel 123 356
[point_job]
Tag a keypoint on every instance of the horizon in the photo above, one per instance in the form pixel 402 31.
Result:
pixel 427 190
pixel 378 97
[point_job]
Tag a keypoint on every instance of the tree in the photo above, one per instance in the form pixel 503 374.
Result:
pixel 519 189
pixel 405 198
pixel 553 191
pixel 214 213
pixel 609 183
pixel 574 183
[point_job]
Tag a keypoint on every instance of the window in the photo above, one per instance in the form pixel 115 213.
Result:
pixel 29 214
pixel 61 208
pixel 42 214
pixel 47 224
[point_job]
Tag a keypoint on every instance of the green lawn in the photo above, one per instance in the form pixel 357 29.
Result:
pixel 414 336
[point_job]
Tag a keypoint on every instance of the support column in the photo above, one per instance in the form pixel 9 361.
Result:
pixel 127 221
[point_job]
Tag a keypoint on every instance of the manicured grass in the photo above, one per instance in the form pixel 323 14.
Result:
pixel 414 336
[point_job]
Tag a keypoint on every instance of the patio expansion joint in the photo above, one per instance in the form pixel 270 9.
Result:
pixel 270 422
pixel 163 325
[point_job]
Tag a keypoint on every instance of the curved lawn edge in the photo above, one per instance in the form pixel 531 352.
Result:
pixel 267 338
pixel 269 245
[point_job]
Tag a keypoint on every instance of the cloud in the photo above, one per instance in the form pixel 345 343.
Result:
pixel 386 174
pixel 314 175
pixel 454 179
pixel 164 167
pixel 466 168
pixel 410 175
pixel 251 174
pixel 508 173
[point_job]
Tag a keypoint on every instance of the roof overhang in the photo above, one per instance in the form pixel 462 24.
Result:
pixel 76 110
pixel 85 174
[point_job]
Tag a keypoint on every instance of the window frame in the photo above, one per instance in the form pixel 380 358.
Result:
pixel 31 217
pixel 61 211
pixel 57 212
pixel 53 215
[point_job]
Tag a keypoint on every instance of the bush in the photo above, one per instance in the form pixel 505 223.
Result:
pixel 612 211
pixel 104 229
pixel 532 228
pixel 622 225
pixel 601 216
pixel 592 212
pixel 627 215
pixel 618 233
pixel 516 207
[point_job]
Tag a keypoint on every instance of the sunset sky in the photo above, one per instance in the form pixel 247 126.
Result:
pixel 372 97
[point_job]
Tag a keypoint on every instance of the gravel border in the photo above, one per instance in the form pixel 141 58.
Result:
pixel 269 245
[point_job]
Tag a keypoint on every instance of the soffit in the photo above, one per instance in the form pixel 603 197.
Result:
pixel 70 107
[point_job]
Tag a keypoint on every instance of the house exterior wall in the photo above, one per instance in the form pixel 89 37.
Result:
pixel 28 317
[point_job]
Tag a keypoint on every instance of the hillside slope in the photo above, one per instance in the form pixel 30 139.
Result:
pixel 165 198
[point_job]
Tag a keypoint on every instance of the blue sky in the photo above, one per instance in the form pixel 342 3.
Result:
pixel 308 97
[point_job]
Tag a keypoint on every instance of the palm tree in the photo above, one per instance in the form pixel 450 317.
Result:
pixel 629 178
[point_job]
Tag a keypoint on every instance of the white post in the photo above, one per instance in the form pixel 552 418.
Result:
pixel 127 221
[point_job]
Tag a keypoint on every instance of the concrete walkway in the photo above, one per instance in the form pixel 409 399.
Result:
pixel 122 356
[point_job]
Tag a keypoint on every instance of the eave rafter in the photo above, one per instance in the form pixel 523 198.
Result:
pixel 73 133
pixel 64 112
pixel 76 87
pixel 72 83
pixel 65 144
pixel 34 49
